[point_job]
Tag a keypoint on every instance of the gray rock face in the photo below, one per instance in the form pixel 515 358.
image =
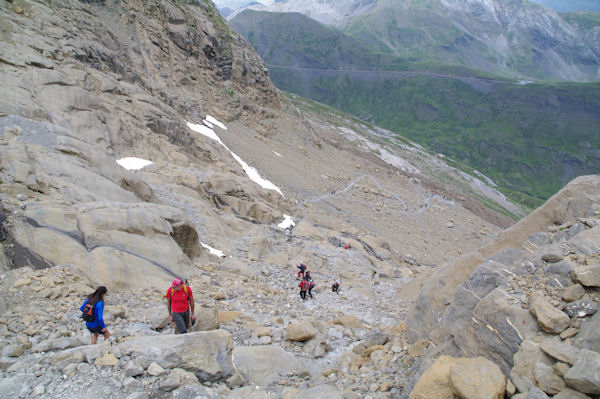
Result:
pixel 570 394
pixel 584 375
pixel 589 334
pixel 264 365
pixel 194 392
pixel 563 268
pixel 206 354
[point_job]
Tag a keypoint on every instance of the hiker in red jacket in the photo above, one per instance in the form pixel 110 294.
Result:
pixel 179 302
pixel 303 288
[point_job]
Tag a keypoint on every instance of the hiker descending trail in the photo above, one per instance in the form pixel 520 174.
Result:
pixel 180 300
pixel 302 268
pixel 303 289
pixel 335 287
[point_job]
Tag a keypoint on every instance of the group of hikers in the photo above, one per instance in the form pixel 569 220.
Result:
pixel 307 284
pixel 180 304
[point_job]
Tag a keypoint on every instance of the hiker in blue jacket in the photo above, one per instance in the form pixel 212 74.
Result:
pixel 96 299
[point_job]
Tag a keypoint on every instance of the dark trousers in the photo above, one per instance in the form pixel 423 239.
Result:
pixel 309 292
pixel 182 321
pixel 303 294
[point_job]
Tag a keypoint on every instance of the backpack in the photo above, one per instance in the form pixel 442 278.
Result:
pixel 88 313
pixel 311 284
pixel 185 288
pixel 303 285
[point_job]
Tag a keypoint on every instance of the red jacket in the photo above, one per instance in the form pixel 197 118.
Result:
pixel 303 285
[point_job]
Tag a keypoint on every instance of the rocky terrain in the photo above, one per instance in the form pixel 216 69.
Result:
pixel 87 84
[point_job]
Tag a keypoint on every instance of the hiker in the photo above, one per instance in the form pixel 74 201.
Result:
pixel 335 287
pixel 347 246
pixel 303 288
pixel 96 325
pixel 180 300
pixel 302 268
pixel 311 285
pixel 307 276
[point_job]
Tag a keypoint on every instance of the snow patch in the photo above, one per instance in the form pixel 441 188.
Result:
pixel 250 171
pixel 215 122
pixel 132 163
pixel 287 222
pixel 213 251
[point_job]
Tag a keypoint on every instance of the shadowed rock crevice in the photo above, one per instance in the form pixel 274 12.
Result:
pixel 187 238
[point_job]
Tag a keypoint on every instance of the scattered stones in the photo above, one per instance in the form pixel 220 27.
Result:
pixel 155 370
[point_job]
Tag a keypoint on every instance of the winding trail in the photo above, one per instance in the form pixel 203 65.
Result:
pixel 426 204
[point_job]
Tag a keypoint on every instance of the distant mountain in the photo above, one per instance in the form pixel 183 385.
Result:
pixel 509 38
pixel 529 138
pixel 571 5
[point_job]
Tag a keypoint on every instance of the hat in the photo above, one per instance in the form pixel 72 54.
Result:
pixel 177 282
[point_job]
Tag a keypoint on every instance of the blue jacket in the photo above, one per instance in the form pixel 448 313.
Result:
pixel 98 311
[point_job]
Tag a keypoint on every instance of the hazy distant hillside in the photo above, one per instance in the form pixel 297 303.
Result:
pixel 571 5
pixel 531 139
pixel 517 39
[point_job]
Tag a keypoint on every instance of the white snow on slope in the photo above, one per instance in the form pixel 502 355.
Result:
pixel 131 163
pixel 250 171
pixel 213 251
pixel 287 222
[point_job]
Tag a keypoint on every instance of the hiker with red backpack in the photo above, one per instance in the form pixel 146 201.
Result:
pixel 180 301
pixel 93 314
pixel 303 288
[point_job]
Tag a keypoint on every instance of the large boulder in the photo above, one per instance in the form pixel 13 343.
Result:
pixel 588 276
pixel 584 376
pixel 551 319
pixel 450 377
pixel 300 331
pixel 589 334
pixel 122 246
pixel 206 319
pixel 206 354
pixel 435 292
pixel 263 365
pixel 477 378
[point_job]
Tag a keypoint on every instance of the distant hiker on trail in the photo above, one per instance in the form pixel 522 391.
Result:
pixel 335 287
pixel 302 268
pixel 303 288
pixel 311 285
pixel 347 246
pixel 307 276
pixel 180 301
pixel 93 312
